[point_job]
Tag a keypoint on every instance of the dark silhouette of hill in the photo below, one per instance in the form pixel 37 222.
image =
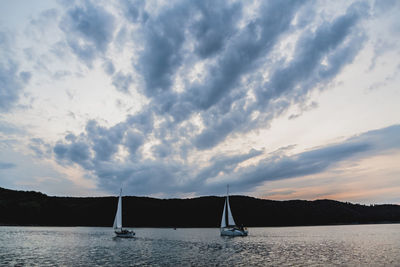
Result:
pixel 33 208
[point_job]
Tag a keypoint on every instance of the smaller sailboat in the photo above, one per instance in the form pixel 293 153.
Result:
pixel 228 225
pixel 119 231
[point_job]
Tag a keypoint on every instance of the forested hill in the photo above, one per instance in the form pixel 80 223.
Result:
pixel 33 208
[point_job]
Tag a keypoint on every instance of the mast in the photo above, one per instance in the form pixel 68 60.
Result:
pixel 120 207
pixel 224 219
pixel 227 206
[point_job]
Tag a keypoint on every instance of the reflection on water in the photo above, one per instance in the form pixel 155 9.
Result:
pixel 86 246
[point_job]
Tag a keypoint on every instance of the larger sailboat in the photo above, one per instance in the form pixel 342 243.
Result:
pixel 119 231
pixel 228 225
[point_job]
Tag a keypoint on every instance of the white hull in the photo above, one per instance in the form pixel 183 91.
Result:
pixel 233 232
pixel 124 233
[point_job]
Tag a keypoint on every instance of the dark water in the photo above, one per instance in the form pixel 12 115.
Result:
pixel 354 245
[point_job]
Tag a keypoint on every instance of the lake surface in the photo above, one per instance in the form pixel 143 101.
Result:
pixel 375 245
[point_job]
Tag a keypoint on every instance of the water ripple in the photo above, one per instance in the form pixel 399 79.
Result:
pixel 373 245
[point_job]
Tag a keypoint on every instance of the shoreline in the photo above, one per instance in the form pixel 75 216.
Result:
pixel 194 227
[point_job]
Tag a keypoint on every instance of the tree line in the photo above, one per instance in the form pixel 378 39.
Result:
pixel 34 208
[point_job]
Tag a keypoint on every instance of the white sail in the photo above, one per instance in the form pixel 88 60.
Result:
pixel 231 222
pixel 227 218
pixel 223 220
pixel 118 215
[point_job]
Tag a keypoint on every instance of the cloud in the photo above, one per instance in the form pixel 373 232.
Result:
pixel 40 147
pixel 318 57
pixel 88 29
pixel 386 12
pixel 219 129
pixel 12 83
pixel 76 152
pixel 122 82
pixel 6 165
pixel 61 74
pixel 214 26
pixel 162 150
pixel 310 51
pixel 304 107
pixel 142 121
pixel 382 7
pixel 133 141
pixel 39 26
pixel 96 151
pixel 104 141
pixel 164 36
pixel 211 71
pixel 109 67
pixel 12 80
pixel 234 51
pixel 251 44
pixel 134 11
pixel 225 164
pixel 320 159
pixel 9 128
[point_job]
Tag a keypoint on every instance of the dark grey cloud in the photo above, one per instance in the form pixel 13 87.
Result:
pixel 10 129
pixel 243 53
pixel 99 144
pixel 225 164
pixel 134 11
pixel 275 166
pixel 44 18
pixel 335 42
pixel 94 150
pixel 230 96
pixel 309 54
pixel 210 22
pixel 61 74
pixel 6 165
pixel 144 178
pixel 319 159
pixel 164 36
pixel 133 141
pixel 89 29
pixel 143 121
pixel 219 129
pixel 109 67
pixel 12 83
pixel 214 26
pixel 12 79
pixel 162 150
pixel 75 152
pixel 40 147
pixel 383 7
pixel 166 176
pixel 122 82
pixel 104 141
pixel 303 108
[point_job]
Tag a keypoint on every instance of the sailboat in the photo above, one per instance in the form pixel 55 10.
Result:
pixel 118 221
pixel 228 225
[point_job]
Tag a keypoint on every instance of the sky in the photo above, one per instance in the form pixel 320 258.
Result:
pixel 279 99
